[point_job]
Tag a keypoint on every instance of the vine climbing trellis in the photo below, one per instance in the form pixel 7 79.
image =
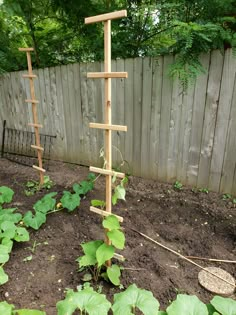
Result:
pixel 107 126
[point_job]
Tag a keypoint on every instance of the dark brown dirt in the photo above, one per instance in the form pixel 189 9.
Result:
pixel 193 223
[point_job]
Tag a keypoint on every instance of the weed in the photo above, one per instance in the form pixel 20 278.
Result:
pixel 178 185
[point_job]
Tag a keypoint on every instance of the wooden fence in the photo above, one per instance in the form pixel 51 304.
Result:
pixel 171 136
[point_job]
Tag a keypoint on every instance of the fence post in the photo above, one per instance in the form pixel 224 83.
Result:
pixel 3 138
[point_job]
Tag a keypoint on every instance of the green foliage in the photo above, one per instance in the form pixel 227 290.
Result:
pixel 46 203
pixel 97 253
pixel 56 30
pixel 10 230
pixel 119 190
pixel 32 186
pixel 6 195
pixel 98 203
pixel 8 309
pixel 178 185
pixel 126 302
pixel 188 305
pixel 204 190
pixel 70 201
pixel 86 301
pixel 224 306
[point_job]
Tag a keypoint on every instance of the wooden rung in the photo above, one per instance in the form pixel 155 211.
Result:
pixel 29 76
pixel 32 101
pixel 105 213
pixel 119 257
pixel 35 125
pixel 108 127
pixel 106 17
pixel 37 147
pixel 39 168
pixel 26 49
pixel 105 75
pixel 106 172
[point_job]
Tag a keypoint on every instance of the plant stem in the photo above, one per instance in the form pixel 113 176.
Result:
pixel 55 210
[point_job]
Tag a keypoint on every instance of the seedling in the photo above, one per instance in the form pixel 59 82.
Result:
pixel 33 187
pixel 204 190
pixel 178 185
pixel 97 253
pixel 226 197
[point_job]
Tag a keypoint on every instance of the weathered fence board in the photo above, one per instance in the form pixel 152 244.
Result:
pixel 171 135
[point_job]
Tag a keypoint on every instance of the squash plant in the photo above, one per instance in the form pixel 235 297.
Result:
pixel 10 230
pixel 96 253
pixel 8 309
pixel 134 300
pixel 48 204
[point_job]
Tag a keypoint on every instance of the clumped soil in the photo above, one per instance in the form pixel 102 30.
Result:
pixel 192 223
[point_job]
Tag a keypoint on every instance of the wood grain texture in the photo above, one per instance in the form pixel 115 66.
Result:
pixel 188 137
pixel 222 122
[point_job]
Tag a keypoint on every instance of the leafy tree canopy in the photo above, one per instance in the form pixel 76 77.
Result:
pixel 56 29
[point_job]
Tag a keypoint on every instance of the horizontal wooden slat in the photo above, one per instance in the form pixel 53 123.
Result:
pixel 26 49
pixel 29 76
pixel 108 127
pixel 39 168
pixel 105 75
pixel 32 101
pixel 37 147
pixel 106 172
pixel 119 257
pixel 106 17
pixel 35 125
pixel 105 213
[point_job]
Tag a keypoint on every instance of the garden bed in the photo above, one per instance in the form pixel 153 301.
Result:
pixel 189 221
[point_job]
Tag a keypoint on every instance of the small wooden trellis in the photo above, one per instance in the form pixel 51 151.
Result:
pixel 35 123
pixel 107 126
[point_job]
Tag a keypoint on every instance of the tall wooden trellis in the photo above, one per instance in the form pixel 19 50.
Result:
pixel 35 123
pixel 107 126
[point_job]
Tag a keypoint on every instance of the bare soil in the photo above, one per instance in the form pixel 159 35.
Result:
pixel 190 222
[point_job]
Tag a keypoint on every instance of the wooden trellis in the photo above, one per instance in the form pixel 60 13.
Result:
pixel 35 123
pixel 107 126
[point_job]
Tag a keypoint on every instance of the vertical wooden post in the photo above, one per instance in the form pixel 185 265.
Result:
pixel 107 126
pixel 35 123
pixel 108 139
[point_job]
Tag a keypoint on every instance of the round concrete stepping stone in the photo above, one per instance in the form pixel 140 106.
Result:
pixel 214 284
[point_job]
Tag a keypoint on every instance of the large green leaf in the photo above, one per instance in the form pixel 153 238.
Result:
pixel 224 306
pixel 117 238
pixel 47 203
pixel 5 308
pixel 87 301
pixel 113 274
pixel 4 255
pixel 83 187
pixel 7 242
pixel 133 297
pixel 34 221
pixel 8 229
pixel 111 223
pixel 9 216
pixel 22 235
pixel 70 201
pixel 3 279
pixel 6 194
pixel 187 305
pixel 28 312
pixel 89 259
pixel 104 253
